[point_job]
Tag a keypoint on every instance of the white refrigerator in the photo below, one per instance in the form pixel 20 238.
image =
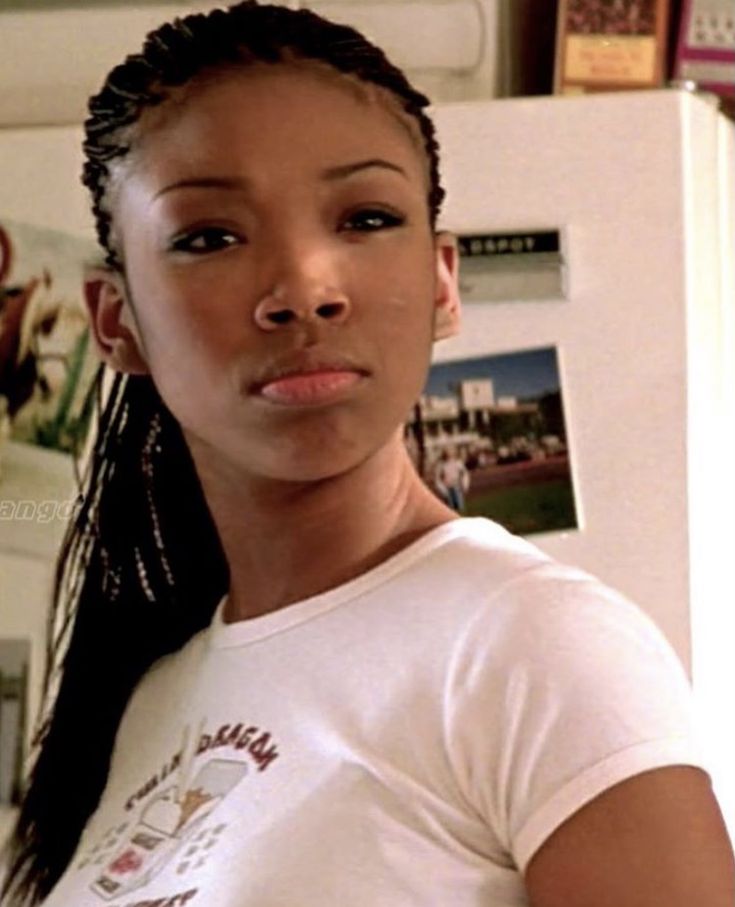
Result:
pixel 641 186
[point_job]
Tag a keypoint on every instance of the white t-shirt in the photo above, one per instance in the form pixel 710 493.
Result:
pixel 452 473
pixel 408 739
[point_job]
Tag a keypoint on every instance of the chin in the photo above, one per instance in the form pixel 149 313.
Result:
pixel 299 462
pixel 304 469
pixel 314 450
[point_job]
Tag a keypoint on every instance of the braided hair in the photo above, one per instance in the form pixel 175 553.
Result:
pixel 243 34
pixel 141 569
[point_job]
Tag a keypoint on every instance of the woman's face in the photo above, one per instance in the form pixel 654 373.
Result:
pixel 282 275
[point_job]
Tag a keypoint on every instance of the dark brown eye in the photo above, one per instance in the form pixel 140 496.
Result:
pixel 205 240
pixel 370 219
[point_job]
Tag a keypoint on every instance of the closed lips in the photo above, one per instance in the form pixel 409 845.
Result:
pixel 314 385
pixel 304 365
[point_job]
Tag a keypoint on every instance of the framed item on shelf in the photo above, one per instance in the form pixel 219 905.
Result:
pixel 605 45
pixel 705 51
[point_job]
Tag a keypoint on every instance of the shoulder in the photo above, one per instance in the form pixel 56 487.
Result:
pixel 475 553
pixel 509 608
pixel 524 601
pixel 559 689
pixel 553 630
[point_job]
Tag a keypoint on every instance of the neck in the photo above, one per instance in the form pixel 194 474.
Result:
pixel 287 541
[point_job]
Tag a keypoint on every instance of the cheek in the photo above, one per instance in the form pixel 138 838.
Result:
pixel 406 306
pixel 405 346
pixel 179 316
pixel 403 279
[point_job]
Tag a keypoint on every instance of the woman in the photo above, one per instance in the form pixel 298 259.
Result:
pixel 348 695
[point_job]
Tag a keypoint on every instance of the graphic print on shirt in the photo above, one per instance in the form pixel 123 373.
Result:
pixel 172 823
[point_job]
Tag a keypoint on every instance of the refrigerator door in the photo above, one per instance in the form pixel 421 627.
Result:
pixel 635 182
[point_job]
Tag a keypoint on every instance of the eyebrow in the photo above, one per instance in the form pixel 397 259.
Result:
pixel 341 171
pixel 344 170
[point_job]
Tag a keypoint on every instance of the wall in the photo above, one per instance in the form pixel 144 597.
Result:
pixel 39 185
pixel 454 51
pixel 39 179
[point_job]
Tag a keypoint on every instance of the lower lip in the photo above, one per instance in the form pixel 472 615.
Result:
pixel 310 389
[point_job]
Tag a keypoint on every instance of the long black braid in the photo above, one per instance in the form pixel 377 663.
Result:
pixel 140 572
pixel 141 568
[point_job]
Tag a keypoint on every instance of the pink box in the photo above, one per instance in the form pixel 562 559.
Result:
pixel 705 51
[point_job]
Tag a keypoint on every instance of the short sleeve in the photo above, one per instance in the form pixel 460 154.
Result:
pixel 562 688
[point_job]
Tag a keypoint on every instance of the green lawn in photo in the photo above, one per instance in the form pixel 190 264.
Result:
pixel 525 509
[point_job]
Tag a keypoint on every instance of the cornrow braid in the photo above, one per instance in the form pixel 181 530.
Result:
pixel 244 34
pixel 141 569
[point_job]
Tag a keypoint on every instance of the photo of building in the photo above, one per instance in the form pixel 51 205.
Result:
pixel 489 436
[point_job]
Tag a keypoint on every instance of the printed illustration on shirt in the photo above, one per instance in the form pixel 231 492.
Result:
pixel 177 821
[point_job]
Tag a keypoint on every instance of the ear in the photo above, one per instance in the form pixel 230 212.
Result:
pixel 447 304
pixel 113 325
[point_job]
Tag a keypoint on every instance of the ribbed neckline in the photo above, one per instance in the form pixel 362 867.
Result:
pixel 245 632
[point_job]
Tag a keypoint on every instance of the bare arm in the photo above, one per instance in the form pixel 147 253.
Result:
pixel 655 840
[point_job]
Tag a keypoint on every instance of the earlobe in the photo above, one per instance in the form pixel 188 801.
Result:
pixel 111 322
pixel 447 304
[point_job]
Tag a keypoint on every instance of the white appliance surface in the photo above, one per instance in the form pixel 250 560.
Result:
pixel 638 184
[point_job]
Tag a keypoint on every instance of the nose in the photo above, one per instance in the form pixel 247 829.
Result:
pixel 281 307
pixel 304 288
